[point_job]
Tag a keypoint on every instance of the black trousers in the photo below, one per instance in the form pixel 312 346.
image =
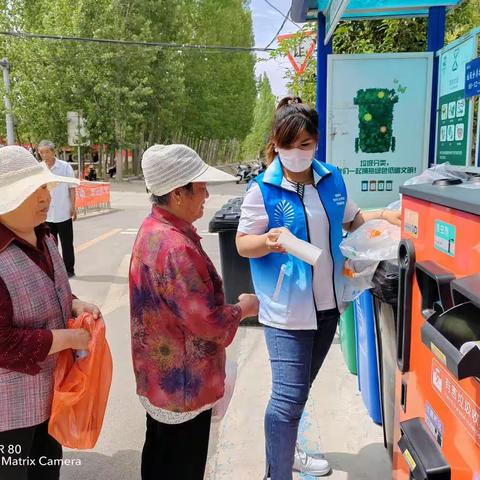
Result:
pixel 24 453
pixel 176 451
pixel 64 230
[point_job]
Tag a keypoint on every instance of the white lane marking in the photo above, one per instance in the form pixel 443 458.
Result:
pixel 118 294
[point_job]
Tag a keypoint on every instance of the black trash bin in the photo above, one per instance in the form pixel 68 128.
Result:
pixel 235 269
pixel 385 299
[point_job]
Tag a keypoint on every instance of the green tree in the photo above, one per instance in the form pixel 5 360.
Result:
pixel 130 96
pixel 255 142
pixel 220 87
pixel 49 78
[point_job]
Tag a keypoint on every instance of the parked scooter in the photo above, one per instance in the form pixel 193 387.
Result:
pixel 257 168
pixel 244 173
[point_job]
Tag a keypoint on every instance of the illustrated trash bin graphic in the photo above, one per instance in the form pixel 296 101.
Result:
pixel 235 269
pixel 385 302
pixel 367 361
pixel 375 120
pixel 348 339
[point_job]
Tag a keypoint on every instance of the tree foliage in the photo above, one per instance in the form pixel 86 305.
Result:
pixel 130 96
pixel 220 88
pixel 256 140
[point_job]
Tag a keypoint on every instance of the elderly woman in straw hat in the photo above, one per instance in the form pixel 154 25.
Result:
pixel 35 302
pixel 179 320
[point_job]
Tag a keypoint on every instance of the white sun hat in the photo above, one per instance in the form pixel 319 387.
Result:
pixel 21 174
pixel 167 167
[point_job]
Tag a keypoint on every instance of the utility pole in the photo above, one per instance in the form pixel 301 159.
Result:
pixel 8 106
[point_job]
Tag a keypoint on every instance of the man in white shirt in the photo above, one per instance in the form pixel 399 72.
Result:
pixel 62 206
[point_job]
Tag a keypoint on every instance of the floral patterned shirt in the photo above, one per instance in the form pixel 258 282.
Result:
pixel 180 324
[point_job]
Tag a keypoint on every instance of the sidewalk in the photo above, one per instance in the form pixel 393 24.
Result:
pixel 336 422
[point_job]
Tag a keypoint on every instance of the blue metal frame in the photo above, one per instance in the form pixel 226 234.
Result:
pixel 307 10
pixel 435 41
pixel 321 102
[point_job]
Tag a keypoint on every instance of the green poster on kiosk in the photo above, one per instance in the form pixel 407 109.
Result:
pixel 454 113
pixel 453 127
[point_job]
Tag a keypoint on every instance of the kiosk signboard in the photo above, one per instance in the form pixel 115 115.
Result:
pixel 378 122
pixel 455 112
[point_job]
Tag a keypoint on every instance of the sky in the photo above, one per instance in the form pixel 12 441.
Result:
pixel 266 22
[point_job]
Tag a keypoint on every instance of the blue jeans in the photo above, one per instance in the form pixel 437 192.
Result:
pixel 295 357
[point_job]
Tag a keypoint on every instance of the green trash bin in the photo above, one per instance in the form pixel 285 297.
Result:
pixel 348 340
pixel 375 120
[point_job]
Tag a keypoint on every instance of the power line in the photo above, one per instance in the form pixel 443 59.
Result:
pixel 135 43
pixel 278 31
pixel 281 13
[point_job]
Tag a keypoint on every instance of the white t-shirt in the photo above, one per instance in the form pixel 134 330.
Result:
pixel 254 221
pixel 60 204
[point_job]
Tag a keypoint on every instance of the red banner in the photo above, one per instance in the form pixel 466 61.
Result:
pixel 92 195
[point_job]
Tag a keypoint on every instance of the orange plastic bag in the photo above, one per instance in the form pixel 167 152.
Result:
pixel 81 389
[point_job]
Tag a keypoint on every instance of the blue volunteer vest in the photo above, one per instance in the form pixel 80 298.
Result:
pixel 283 283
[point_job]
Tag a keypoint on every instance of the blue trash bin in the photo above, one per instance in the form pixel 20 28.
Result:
pixel 367 359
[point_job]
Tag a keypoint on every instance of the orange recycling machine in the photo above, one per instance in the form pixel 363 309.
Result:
pixel 437 404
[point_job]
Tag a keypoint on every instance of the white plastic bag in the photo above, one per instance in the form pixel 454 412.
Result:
pixel 437 172
pixel 358 277
pixel 220 408
pixel 396 205
pixel 375 240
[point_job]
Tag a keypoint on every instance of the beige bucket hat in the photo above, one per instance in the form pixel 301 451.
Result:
pixel 21 174
pixel 167 167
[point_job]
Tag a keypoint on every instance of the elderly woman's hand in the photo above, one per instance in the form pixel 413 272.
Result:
pixel 75 338
pixel 79 338
pixel 79 307
pixel 249 304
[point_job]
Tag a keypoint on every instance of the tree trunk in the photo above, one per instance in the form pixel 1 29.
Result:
pixel 119 151
pixel 119 164
pixel 137 159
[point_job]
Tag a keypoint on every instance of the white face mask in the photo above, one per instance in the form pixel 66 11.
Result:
pixel 295 159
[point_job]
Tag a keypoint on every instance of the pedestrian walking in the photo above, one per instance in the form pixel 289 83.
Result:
pixel 62 210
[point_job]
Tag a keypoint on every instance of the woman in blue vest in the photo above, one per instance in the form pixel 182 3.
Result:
pixel 299 305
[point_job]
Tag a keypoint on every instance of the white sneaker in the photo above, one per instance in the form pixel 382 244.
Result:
pixel 313 465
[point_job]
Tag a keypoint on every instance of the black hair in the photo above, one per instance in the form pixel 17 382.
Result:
pixel 291 118
pixel 164 199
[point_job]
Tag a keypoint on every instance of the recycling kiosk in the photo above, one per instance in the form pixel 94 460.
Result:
pixel 437 403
